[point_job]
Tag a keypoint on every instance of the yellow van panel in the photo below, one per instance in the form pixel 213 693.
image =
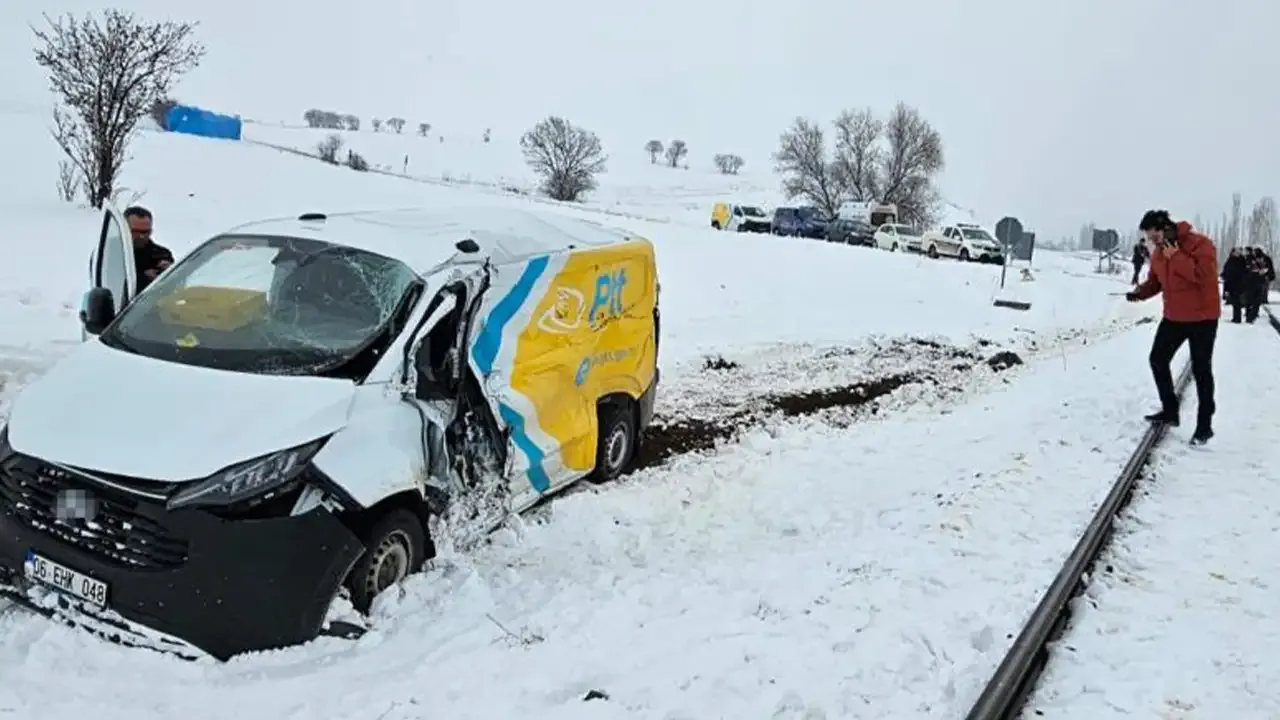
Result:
pixel 590 335
pixel 720 214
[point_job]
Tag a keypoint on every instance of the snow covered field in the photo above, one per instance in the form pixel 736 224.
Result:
pixel 1181 622
pixel 633 185
pixel 788 547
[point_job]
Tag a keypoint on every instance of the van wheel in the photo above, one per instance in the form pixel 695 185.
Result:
pixel 615 443
pixel 933 252
pixel 395 547
pixel 964 254
pixel 715 224
pixel 894 248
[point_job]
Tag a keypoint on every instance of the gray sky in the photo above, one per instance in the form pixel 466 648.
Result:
pixel 1059 111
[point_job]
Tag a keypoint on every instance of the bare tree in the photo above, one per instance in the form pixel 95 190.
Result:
pixel 1263 221
pixel 327 149
pixel 654 148
pixel 676 151
pixel 1235 227
pixel 107 72
pixel 806 171
pixel 377 124
pixel 568 158
pixel 352 122
pixel 68 181
pixel 911 162
pixel 424 128
pixel 396 124
pixel 159 111
pixel 858 154
pixel 728 164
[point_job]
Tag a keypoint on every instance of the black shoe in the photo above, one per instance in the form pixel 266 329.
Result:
pixel 1164 417
pixel 1202 436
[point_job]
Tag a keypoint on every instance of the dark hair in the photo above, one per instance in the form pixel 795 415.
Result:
pixel 137 211
pixel 1156 220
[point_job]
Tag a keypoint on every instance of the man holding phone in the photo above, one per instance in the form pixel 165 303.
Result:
pixel 1184 272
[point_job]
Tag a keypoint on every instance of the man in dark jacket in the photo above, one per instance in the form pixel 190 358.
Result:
pixel 1139 259
pixel 1257 278
pixel 150 258
pixel 1184 272
pixel 1271 275
pixel 1233 272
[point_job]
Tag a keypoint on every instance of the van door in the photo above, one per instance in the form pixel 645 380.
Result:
pixel 451 394
pixel 112 265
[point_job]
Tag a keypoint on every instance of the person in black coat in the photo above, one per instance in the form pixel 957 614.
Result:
pixel 1257 277
pixel 1270 275
pixel 1233 279
pixel 1140 256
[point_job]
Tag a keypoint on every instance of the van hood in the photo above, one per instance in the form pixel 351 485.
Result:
pixel 124 414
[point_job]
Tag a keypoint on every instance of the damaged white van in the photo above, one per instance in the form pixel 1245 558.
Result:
pixel 271 423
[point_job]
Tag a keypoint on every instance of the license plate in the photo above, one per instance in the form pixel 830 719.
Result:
pixel 63 578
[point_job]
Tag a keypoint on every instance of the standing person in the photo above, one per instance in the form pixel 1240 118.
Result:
pixel 1233 282
pixel 1270 268
pixel 150 258
pixel 1256 280
pixel 1184 272
pixel 1140 255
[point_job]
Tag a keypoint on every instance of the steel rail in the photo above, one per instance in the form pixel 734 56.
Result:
pixel 1014 680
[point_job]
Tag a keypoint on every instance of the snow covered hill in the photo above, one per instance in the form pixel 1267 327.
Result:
pixel 633 185
pixel 848 501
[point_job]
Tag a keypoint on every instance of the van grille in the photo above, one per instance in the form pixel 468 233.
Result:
pixel 118 533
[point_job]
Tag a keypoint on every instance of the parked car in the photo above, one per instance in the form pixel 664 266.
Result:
pixel 276 419
pixel 964 241
pixel 853 232
pixel 895 237
pixel 742 218
pixel 799 221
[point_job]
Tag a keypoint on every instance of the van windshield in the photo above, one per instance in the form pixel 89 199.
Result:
pixel 976 234
pixel 752 211
pixel 260 304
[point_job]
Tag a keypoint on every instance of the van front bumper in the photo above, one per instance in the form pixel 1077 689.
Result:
pixel 223 586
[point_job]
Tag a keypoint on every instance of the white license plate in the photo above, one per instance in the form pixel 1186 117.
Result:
pixel 61 577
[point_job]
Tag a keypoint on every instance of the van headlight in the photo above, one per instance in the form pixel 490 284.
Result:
pixel 248 480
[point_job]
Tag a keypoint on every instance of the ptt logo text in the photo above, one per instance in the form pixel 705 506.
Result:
pixel 606 304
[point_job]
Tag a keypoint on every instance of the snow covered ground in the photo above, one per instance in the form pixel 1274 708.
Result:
pixel 632 185
pixel 1181 622
pixel 789 546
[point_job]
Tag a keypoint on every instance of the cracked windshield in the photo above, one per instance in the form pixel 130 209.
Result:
pixel 273 305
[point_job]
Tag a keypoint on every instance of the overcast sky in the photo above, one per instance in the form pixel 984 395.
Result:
pixel 1058 111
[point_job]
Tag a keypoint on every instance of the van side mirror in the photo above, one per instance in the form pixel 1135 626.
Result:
pixel 98 311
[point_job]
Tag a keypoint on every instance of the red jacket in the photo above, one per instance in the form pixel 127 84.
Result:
pixel 1188 279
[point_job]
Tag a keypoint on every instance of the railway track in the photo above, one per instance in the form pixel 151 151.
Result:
pixel 1008 690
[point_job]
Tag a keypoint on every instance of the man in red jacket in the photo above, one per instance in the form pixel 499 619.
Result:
pixel 1184 271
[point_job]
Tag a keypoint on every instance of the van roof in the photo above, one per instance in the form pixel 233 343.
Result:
pixel 426 239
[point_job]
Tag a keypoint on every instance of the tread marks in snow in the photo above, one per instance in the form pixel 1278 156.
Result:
pixel 879 371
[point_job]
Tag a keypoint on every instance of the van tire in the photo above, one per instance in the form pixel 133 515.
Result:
pixel 395 547
pixel 964 255
pixel 615 441
pixel 715 224
pixel 933 252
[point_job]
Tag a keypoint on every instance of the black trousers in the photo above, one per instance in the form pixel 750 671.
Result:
pixel 1137 270
pixel 1254 293
pixel 1170 336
